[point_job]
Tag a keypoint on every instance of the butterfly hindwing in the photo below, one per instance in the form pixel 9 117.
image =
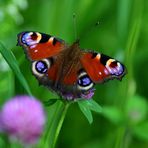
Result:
pixel 48 73
pixel 39 45
pixel 100 67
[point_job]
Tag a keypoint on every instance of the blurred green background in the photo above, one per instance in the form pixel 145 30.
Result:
pixel 122 33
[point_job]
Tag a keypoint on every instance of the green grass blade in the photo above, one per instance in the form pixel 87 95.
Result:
pixel 12 62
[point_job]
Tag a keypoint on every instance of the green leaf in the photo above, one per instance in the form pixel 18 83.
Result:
pixel 141 131
pixel 50 102
pixel 85 110
pixel 93 105
pixel 136 109
pixel 86 106
pixel 12 62
pixel 113 114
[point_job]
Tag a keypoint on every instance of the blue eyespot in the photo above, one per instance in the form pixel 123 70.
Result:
pixel 84 81
pixel 41 67
pixel 29 38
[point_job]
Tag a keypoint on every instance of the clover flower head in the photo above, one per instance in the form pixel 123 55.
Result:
pixel 23 118
pixel 85 95
pixel 89 94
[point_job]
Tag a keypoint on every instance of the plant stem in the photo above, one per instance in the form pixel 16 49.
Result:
pixel 120 136
pixel 54 125
pixel 64 111
pixel 124 136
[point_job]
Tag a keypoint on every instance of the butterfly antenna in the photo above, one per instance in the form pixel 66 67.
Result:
pixel 75 26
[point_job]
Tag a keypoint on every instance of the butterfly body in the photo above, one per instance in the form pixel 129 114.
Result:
pixel 67 70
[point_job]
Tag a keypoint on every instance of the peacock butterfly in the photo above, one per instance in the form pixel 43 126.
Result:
pixel 67 70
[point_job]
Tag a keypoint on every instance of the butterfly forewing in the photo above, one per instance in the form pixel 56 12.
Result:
pixel 101 67
pixel 39 45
